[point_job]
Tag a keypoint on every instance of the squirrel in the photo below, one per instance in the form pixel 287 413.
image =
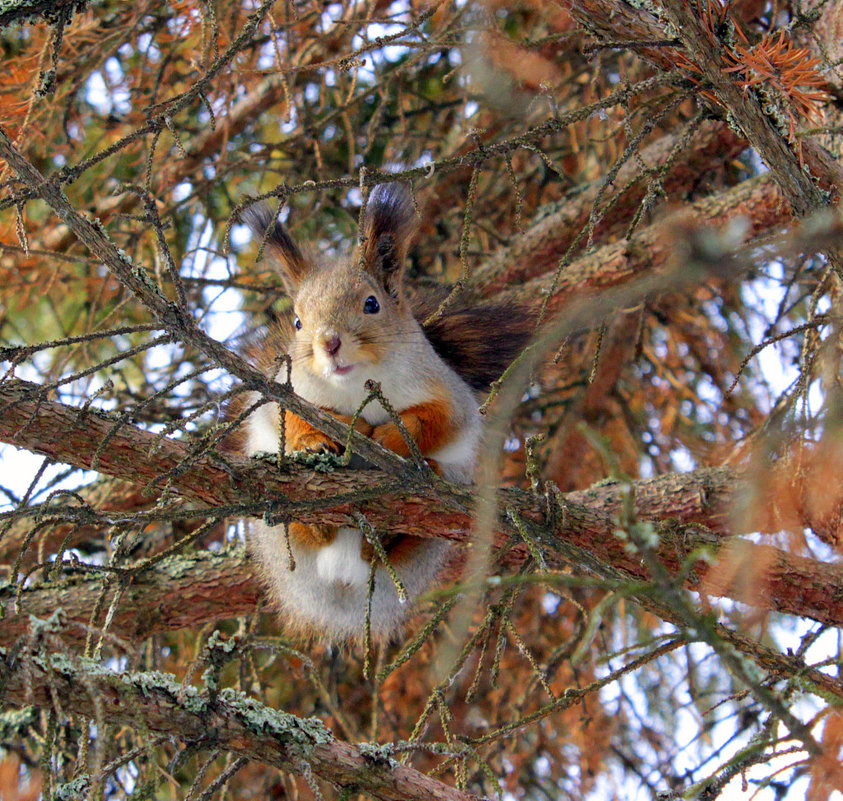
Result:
pixel 354 320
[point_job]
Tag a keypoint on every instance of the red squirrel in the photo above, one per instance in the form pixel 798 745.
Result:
pixel 354 320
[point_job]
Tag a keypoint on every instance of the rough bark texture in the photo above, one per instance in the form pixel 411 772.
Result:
pixel 181 592
pixel 692 509
pixel 229 721
pixel 758 201
pixel 538 250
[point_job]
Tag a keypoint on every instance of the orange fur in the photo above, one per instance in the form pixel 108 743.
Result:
pixel 301 436
pixel 428 424
pixel 312 536
pixel 362 426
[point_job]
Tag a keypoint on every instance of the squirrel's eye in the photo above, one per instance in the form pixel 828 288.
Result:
pixel 371 306
pixel 297 323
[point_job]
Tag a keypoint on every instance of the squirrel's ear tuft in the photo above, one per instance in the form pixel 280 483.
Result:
pixel 388 229
pixel 270 231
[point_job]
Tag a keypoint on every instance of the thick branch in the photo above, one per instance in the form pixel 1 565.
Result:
pixel 620 21
pixel 540 248
pixel 183 592
pixel 75 436
pixel 192 590
pixel 230 721
pixel 757 201
pixel 585 520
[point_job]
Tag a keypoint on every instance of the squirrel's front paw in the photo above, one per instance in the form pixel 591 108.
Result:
pixel 313 441
pixel 302 436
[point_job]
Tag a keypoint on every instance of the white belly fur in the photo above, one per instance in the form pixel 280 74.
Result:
pixel 340 562
pixel 329 598
pixel 327 593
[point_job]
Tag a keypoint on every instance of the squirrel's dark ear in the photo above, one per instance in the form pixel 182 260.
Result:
pixel 269 230
pixel 388 229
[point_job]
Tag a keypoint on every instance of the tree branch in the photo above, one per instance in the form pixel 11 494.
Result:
pixel 183 592
pixel 27 10
pixel 757 200
pixel 229 721
pixel 691 510
pixel 539 249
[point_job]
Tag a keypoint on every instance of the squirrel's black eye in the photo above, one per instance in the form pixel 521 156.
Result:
pixel 297 323
pixel 371 306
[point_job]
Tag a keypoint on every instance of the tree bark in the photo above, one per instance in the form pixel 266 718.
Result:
pixel 539 249
pixel 757 201
pixel 691 511
pixel 229 721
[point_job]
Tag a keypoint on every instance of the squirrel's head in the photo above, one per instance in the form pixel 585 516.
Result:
pixel 351 313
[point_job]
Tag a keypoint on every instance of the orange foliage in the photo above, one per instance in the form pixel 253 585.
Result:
pixel 804 490
pixel 13 787
pixel 773 63
pixel 827 768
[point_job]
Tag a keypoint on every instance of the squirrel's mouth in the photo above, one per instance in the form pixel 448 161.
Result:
pixel 344 369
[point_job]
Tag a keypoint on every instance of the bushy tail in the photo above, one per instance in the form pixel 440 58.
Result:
pixel 478 340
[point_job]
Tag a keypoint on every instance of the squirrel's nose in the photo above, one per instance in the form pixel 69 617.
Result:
pixel 331 342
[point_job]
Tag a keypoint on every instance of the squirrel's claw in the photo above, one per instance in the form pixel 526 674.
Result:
pixel 302 436
pixel 314 442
